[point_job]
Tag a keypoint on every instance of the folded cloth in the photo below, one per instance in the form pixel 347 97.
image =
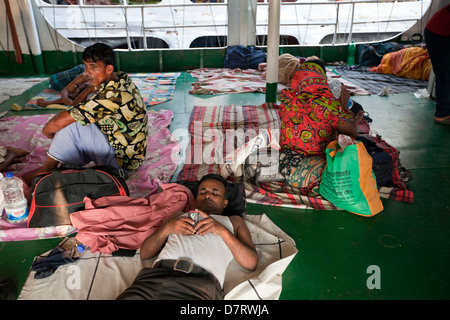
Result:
pixel 47 266
pixel 111 223
pixel 65 252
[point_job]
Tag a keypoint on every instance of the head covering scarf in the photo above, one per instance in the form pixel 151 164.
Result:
pixel 287 67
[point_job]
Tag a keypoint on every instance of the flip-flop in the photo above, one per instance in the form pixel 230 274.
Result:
pixel 445 120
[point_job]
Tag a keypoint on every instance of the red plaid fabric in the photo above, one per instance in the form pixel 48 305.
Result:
pixel 208 127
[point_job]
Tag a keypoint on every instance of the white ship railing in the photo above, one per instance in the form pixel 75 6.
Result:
pixel 178 23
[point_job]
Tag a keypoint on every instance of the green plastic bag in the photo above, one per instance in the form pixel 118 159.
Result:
pixel 348 181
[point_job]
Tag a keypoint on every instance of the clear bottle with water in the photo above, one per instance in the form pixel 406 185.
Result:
pixel 16 207
pixel 335 87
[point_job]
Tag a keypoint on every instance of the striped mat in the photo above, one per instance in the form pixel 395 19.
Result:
pixel 210 129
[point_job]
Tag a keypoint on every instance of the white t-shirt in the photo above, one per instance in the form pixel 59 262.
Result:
pixel 208 251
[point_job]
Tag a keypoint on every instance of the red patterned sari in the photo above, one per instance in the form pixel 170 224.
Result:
pixel 310 115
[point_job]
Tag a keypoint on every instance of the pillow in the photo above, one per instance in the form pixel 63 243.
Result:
pixel 235 196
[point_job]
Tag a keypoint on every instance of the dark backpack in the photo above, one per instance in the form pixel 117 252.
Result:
pixel 382 164
pixel 57 194
pixel 244 57
pixel 371 54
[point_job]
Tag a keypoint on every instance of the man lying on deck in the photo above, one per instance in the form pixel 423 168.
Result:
pixel 109 128
pixel 77 91
pixel 193 256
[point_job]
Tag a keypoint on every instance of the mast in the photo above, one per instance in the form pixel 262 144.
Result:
pixel 273 44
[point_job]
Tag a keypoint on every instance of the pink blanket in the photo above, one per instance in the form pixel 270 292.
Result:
pixel 25 132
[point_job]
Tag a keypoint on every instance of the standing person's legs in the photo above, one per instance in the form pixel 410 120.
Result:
pixel 439 50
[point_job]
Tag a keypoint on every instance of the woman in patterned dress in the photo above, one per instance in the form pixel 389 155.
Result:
pixel 311 117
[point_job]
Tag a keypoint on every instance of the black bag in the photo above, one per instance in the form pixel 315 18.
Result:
pixel 382 164
pixel 371 55
pixel 382 167
pixel 244 57
pixel 60 192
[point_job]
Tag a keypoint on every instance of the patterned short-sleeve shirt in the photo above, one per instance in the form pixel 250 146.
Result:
pixel 118 110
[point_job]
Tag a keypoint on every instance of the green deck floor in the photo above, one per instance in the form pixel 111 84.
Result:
pixel 409 243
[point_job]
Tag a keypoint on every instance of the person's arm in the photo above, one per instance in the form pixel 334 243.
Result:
pixel 350 128
pixel 175 224
pixel 83 95
pixel 59 121
pixel 344 97
pixel 70 88
pixel 240 244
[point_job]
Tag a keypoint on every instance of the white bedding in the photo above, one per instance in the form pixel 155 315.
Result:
pixel 104 277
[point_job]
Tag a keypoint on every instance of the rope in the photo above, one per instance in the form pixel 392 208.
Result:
pixel 174 25
pixel 309 15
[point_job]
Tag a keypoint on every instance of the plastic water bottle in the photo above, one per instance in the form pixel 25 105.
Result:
pixel 16 208
pixel 351 54
pixel 78 251
pixel 2 198
pixel 335 86
pixel 72 248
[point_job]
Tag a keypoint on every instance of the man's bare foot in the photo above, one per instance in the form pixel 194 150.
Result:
pixel 43 102
pixel 19 153
pixel 12 155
